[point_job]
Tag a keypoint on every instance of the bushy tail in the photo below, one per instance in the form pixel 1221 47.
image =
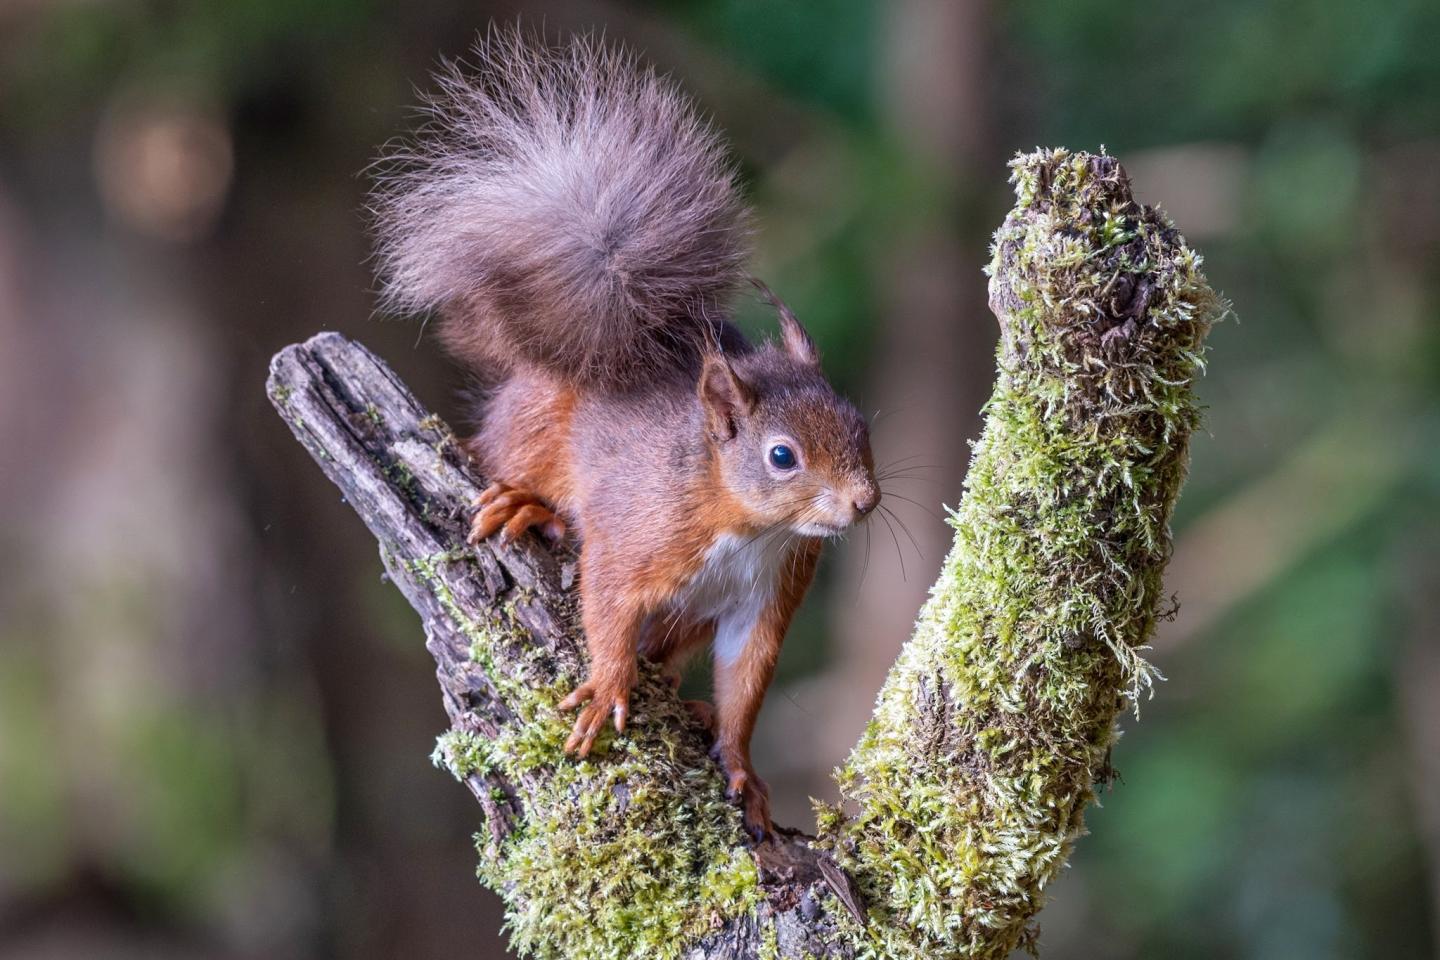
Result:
pixel 563 207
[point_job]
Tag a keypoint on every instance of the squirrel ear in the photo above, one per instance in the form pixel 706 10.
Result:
pixel 725 397
pixel 797 341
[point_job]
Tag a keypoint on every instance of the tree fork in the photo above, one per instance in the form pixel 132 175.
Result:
pixel 968 789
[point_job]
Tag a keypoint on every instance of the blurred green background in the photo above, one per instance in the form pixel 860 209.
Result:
pixel 215 718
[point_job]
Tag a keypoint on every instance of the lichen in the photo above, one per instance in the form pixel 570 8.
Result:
pixel 630 853
pixel 992 729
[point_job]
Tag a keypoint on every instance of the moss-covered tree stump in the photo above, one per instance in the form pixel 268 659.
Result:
pixel 968 789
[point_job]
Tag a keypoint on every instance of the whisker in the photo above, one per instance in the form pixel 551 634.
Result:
pixel 674 622
pixel 785 522
pixel 930 483
pixel 879 414
pixel 796 703
pixel 902 461
pixel 922 506
pixel 899 554
pixel 890 469
pixel 864 566
pixel 905 472
pixel 913 542
pixel 786 546
pixel 809 498
pixel 769 534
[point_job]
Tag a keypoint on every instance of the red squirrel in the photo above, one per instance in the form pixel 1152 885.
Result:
pixel 577 229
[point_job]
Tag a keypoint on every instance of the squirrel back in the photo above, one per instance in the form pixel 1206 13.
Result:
pixel 563 208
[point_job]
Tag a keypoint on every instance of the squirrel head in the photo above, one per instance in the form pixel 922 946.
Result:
pixel 789 448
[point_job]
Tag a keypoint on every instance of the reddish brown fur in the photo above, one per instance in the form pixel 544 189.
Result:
pixel 522 437
pixel 740 687
pixel 652 482
pixel 576 227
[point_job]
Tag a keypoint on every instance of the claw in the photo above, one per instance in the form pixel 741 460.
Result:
pixel 512 512
pixel 578 696
pixel 599 705
pixel 742 786
pixel 582 738
pixel 490 493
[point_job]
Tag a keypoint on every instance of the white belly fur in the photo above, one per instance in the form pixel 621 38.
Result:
pixel 736 580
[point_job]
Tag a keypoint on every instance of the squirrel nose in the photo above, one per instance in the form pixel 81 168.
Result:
pixel 866 500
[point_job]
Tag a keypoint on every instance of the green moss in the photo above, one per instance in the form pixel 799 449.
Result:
pixel 400 475
pixel 972 779
pixel 611 863
pixel 630 853
pixel 770 943
pixel 463 753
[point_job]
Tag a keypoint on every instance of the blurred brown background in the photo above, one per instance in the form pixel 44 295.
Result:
pixel 214 717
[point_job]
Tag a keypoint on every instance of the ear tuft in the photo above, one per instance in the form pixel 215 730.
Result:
pixel 792 334
pixel 725 397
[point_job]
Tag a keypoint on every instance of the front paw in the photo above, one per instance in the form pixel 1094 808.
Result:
pixel 602 700
pixel 744 787
pixel 512 512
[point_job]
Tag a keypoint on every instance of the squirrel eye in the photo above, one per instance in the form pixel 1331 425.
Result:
pixel 782 457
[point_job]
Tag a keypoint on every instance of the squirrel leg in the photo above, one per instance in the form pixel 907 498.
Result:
pixel 514 511
pixel 742 676
pixel 740 685
pixel 612 631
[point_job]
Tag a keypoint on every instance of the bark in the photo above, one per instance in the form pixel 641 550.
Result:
pixel 970 785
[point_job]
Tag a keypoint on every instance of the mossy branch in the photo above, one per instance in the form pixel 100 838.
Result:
pixel 995 725
pixel 968 789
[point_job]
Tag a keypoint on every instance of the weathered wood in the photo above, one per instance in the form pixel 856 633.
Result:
pixel 401 471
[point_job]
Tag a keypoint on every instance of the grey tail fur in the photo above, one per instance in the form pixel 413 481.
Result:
pixel 564 208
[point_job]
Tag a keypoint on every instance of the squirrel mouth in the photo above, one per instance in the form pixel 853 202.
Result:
pixel 814 529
